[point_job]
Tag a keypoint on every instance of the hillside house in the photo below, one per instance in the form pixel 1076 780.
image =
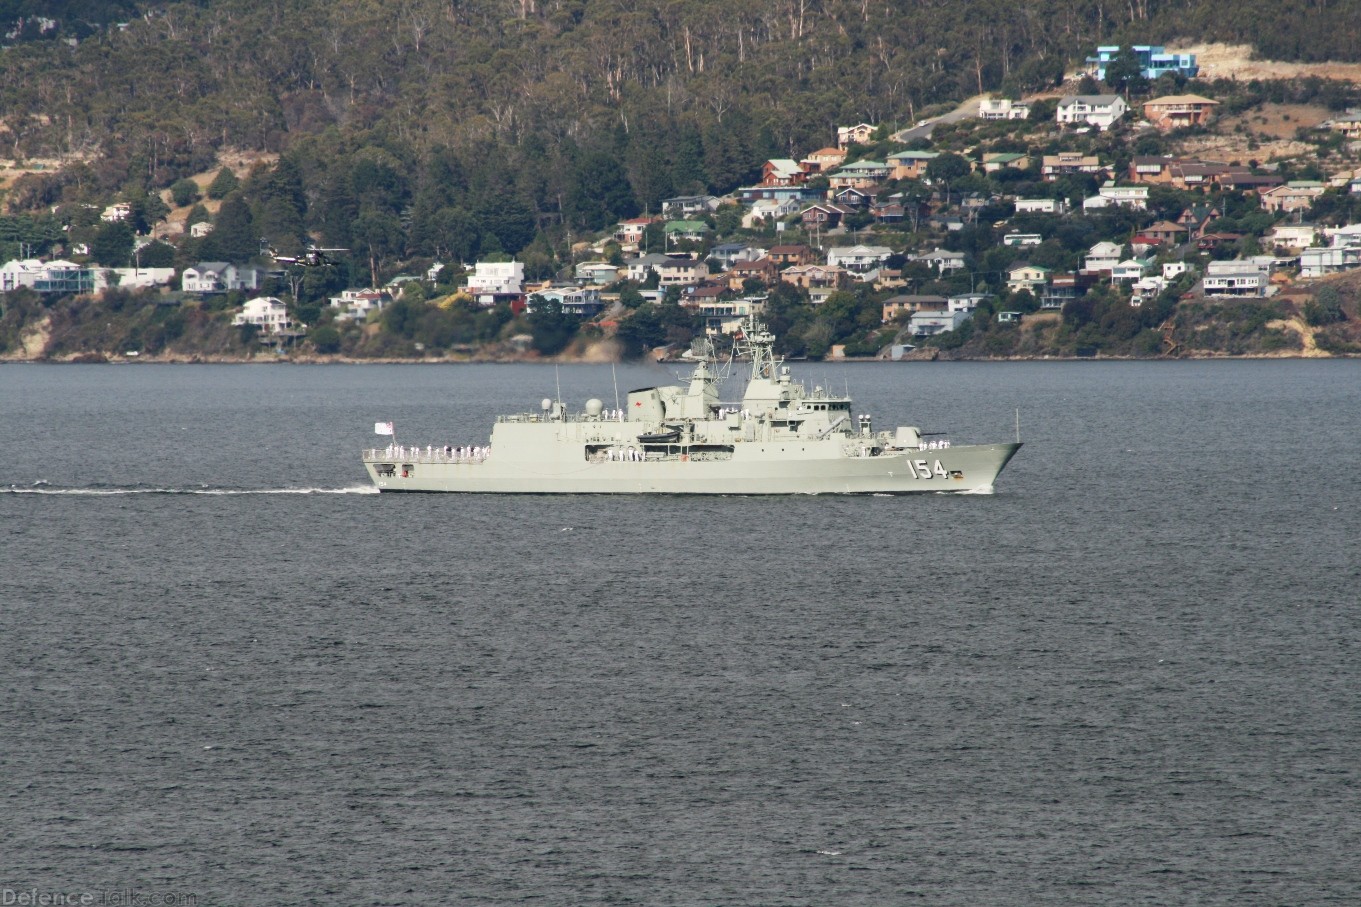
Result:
pixel 686 231
pixel 1234 278
pixel 1154 60
pixel 816 277
pixel 1166 233
pixel 1349 124
pixel 928 322
pixel 1102 257
pixel 1179 111
pixel 496 281
pixel 1028 277
pixel 859 259
pixel 769 209
pixel 995 161
pixel 860 175
pixel 355 305
pixel 910 165
pixel 823 159
pixel 584 302
pixel 786 255
pixel 629 233
pixel 596 272
pixel 220 277
pixel 727 254
pixel 1041 206
pixel 942 261
pixel 859 134
pixel 1297 195
pixel 57 276
pixel 896 307
pixel 1134 197
pixel 267 313
pixel 782 172
pixel 1098 110
pixel 689 206
pixel 1002 109
pixel 680 272
pixel 1068 163
pixel 640 268
pixel 763 269
pixel 825 216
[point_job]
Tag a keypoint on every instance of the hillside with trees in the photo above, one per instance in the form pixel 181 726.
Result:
pixel 417 131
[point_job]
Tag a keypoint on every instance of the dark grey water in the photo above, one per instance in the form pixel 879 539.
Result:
pixel 1128 677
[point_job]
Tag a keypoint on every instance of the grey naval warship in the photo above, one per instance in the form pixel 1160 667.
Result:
pixel 778 439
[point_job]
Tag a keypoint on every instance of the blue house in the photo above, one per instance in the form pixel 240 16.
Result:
pixel 1154 59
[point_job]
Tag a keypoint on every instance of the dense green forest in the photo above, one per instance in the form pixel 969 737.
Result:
pixel 458 128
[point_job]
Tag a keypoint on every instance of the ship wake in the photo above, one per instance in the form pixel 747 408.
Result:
pixel 46 488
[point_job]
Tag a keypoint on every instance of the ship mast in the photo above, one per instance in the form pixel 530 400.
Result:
pixel 758 343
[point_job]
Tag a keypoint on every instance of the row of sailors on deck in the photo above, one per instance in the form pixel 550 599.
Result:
pixel 935 445
pixel 626 455
pixel 447 452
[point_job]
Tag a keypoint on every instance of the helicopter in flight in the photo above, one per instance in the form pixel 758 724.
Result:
pixel 313 257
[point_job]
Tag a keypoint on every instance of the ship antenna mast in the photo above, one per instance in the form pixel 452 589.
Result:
pixel 615 378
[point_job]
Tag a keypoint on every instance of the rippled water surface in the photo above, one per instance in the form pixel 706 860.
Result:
pixel 228 668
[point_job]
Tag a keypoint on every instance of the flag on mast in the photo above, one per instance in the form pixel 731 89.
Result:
pixel 382 428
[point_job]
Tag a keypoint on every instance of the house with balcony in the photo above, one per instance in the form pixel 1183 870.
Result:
pixel 763 269
pixel 356 305
pixel 728 315
pixel 596 272
pixel 496 281
pixel 1325 260
pixel 860 175
pixel 1002 109
pixel 859 134
pixel 792 254
pixel 817 277
pixel 681 272
pixel 689 206
pixel 824 216
pixel 1111 195
pixel 1154 60
pixel 1069 163
pixel 861 260
pixel 584 302
pixel 1062 289
pixel 1103 256
pixel 1234 278
pixel 995 161
pixel 1041 206
pixel 730 253
pixel 942 261
pixel 929 322
pixel 910 165
pixel 895 308
pixel 1101 111
pixel 267 313
pixel 219 277
pixel 1296 195
pixel 769 209
pixel 1179 111
pixel 57 276
pixel 823 159
pixel 1030 277
pixel 629 233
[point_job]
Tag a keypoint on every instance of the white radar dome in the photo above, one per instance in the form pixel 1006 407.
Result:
pixel 594 407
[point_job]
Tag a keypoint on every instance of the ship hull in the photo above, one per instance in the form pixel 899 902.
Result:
pixel 760 469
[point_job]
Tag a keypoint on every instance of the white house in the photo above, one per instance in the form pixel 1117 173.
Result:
pixel 1102 257
pixel 1040 206
pixel 1238 277
pixel 133 278
pixel 926 322
pixel 859 259
pixel 219 277
pixel 1135 197
pixel 1174 269
pixel 118 211
pixel 200 229
pixel 767 209
pixel 493 280
pixel 596 272
pixel 1002 109
pixel 1329 260
pixel 355 305
pixel 581 301
pixel 1130 270
pixel 1099 110
pixel 55 276
pixel 940 260
pixel 265 312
